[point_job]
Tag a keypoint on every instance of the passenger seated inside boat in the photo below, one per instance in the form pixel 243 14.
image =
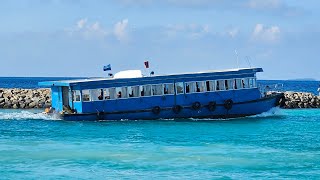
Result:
pixel 226 84
pixel 218 87
pixel 100 97
pixel 187 89
pixel 119 94
pixel 197 87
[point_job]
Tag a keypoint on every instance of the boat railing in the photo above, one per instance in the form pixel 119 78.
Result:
pixel 267 90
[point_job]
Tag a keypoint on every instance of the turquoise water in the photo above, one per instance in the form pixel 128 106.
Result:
pixel 275 145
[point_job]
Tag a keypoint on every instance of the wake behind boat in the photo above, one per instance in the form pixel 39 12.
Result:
pixel 130 95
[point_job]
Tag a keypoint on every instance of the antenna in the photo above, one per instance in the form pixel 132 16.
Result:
pixel 248 60
pixel 237 58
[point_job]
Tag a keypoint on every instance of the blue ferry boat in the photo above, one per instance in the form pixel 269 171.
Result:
pixel 130 95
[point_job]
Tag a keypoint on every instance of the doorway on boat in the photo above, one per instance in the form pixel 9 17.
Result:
pixel 65 96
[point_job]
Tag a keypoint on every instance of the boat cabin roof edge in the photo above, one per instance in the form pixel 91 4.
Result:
pixel 159 77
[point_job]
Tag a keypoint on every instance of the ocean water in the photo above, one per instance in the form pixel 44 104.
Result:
pixel 280 144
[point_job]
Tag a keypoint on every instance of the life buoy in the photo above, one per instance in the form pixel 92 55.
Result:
pixel 196 105
pixel 228 104
pixel 156 110
pixel 212 105
pixel 176 109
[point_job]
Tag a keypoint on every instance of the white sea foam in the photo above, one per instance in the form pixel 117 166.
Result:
pixel 276 111
pixel 26 115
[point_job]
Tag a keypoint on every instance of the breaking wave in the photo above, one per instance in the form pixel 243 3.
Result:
pixel 26 115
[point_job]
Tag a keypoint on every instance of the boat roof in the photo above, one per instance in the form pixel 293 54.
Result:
pixel 74 82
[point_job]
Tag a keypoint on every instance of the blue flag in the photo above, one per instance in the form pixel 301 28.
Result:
pixel 107 67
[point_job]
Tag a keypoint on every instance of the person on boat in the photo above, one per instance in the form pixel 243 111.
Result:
pixel 319 90
pixel 197 87
pixel 218 87
pixel 187 88
pixel 100 97
pixel 119 94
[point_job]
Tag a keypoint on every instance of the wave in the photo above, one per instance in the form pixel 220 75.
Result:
pixel 274 112
pixel 26 115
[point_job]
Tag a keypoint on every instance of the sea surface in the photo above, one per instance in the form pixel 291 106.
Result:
pixel 280 144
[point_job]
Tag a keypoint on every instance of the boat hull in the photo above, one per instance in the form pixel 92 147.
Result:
pixel 220 111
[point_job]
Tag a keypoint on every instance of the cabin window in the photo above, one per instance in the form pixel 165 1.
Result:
pixel 252 82
pixel 237 84
pixel 230 84
pixel 220 85
pixel 200 86
pixel 124 91
pixel 145 90
pixel 179 87
pixel 210 86
pixel 76 95
pixel 112 93
pixel 157 90
pixel 119 93
pixel 97 94
pixel 106 93
pixel 133 91
pixel 245 83
pixel 190 88
pixel 168 89
pixel 86 95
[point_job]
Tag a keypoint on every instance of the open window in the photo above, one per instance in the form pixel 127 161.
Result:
pixel 200 86
pixel 96 94
pixel 145 90
pixel 190 87
pixel 133 91
pixel 86 95
pixel 76 95
pixel 210 86
pixel 220 85
pixel 179 88
pixel 157 90
pixel 168 89
pixel 245 82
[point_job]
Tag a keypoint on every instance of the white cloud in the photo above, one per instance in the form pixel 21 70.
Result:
pixel 94 30
pixel 193 31
pixel 267 34
pixel 120 30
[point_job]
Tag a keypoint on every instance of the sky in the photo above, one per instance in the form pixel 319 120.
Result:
pixel 76 38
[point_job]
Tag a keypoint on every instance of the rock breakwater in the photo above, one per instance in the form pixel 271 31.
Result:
pixel 25 98
pixel 296 100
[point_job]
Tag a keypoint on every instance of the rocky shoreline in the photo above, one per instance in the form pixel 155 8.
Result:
pixel 25 98
pixel 41 98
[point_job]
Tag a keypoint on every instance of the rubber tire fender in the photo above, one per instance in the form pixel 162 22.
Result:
pixel 176 109
pixel 228 104
pixel 212 105
pixel 196 105
pixel 156 110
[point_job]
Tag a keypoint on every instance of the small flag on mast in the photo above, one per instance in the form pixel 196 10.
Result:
pixel 146 64
pixel 107 67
